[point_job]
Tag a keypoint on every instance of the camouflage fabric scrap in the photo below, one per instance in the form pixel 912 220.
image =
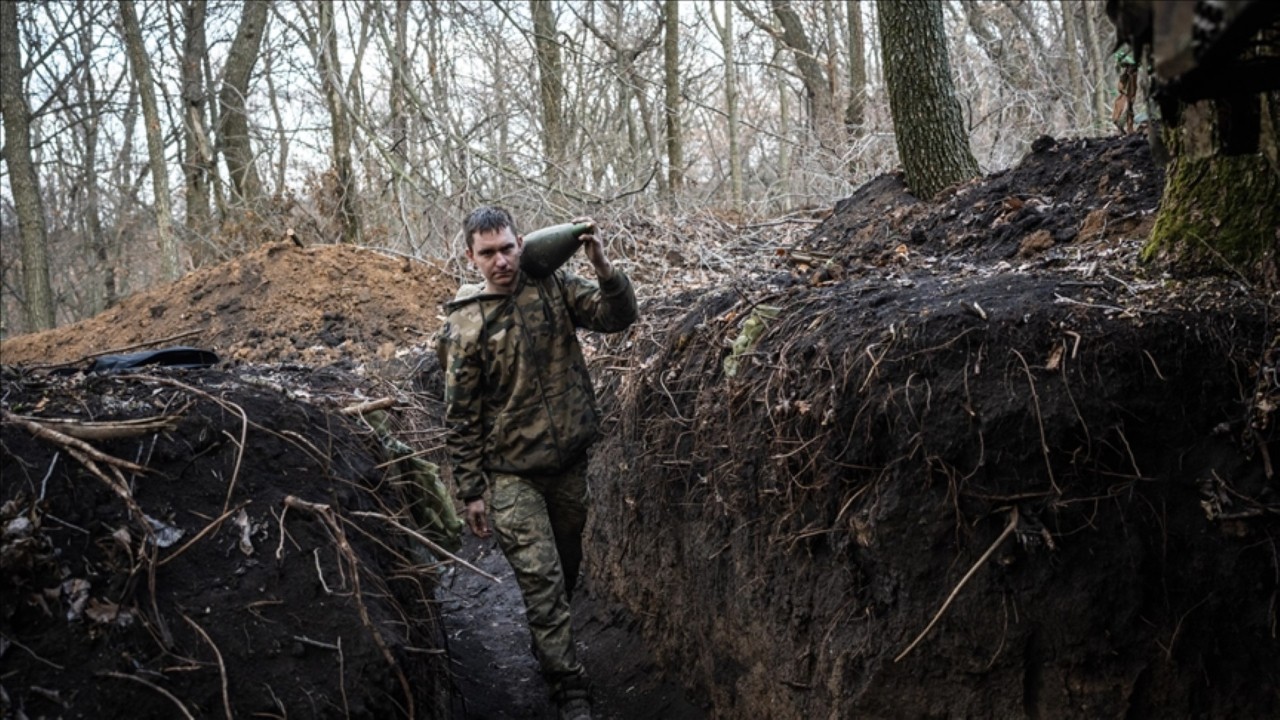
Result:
pixel 431 506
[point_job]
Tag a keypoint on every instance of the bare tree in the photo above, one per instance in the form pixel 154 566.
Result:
pixel 24 183
pixel 817 86
pixel 671 66
pixel 399 56
pixel 550 86
pixel 784 145
pixel 197 162
pixel 1074 67
pixel 92 214
pixel 927 122
pixel 855 115
pixel 233 132
pixel 270 71
pixel 628 43
pixel 1101 81
pixel 170 267
pixel 725 30
pixel 326 48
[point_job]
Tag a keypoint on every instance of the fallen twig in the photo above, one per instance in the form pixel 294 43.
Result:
pixel 227 404
pixel 1008 530
pixel 326 513
pixel 105 430
pixel 1044 442
pixel 32 653
pixel 44 483
pixel 875 363
pixel 435 547
pixel 342 682
pixel 70 443
pixel 185 712
pixel 222 668
pixel 315 643
pixel 368 406
pixel 315 554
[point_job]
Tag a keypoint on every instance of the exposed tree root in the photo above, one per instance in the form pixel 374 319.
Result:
pixel 1008 530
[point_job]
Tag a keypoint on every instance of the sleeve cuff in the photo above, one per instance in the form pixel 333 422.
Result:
pixel 615 284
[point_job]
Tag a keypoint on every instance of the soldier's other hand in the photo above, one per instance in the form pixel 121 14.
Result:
pixel 477 519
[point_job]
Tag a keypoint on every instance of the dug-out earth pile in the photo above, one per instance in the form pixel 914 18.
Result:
pixel 958 459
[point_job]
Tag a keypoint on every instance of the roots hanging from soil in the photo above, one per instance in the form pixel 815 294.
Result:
pixel 184 530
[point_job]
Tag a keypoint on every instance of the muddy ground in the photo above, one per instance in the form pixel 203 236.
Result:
pixel 968 458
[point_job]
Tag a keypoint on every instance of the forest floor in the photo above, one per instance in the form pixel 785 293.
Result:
pixel 238 549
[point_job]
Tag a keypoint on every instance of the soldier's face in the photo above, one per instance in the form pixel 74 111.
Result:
pixel 496 254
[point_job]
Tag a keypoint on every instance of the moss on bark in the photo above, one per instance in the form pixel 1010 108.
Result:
pixel 1218 212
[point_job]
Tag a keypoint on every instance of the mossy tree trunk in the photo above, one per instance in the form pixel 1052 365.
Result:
pixel 1221 204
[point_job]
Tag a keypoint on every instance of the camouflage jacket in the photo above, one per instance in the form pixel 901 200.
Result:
pixel 518 397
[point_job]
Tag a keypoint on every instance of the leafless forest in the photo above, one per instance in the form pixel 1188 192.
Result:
pixel 165 136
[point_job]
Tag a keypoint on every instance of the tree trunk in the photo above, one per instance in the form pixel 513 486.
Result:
pixel 822 115
pixel 725 30
pixel 784 141
pixel 37 307
pixel 623 60
pixel 399 80
pixel 855 114
pixel 671 67
pixel 450 155
pixel 550 87
pixel 282 128
pixel 1075 72
pixel 330 80
pixel 928 125
pixel 233 135
pixel 170 265
pixel 831 45
pixel 1101 76
pixel 198 157
pixel 1219 209
pixel 98 246
pixel 400 115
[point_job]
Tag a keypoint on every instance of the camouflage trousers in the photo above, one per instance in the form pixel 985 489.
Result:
pixel 538 521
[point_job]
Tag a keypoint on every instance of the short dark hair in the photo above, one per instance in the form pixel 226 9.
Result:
pixel 489 218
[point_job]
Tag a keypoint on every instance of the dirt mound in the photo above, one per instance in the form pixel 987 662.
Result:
pixel 279 303
pixel 194 543
pixel 1064 197
pixel 968 458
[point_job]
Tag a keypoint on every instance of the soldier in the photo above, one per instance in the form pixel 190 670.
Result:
pixel 521 413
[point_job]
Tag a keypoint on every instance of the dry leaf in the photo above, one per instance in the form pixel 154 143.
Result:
pixel 1055 358
pixel 108 613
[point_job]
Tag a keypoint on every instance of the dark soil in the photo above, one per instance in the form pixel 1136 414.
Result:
pixel 487 639
pixel 208 586
pixel 980 409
